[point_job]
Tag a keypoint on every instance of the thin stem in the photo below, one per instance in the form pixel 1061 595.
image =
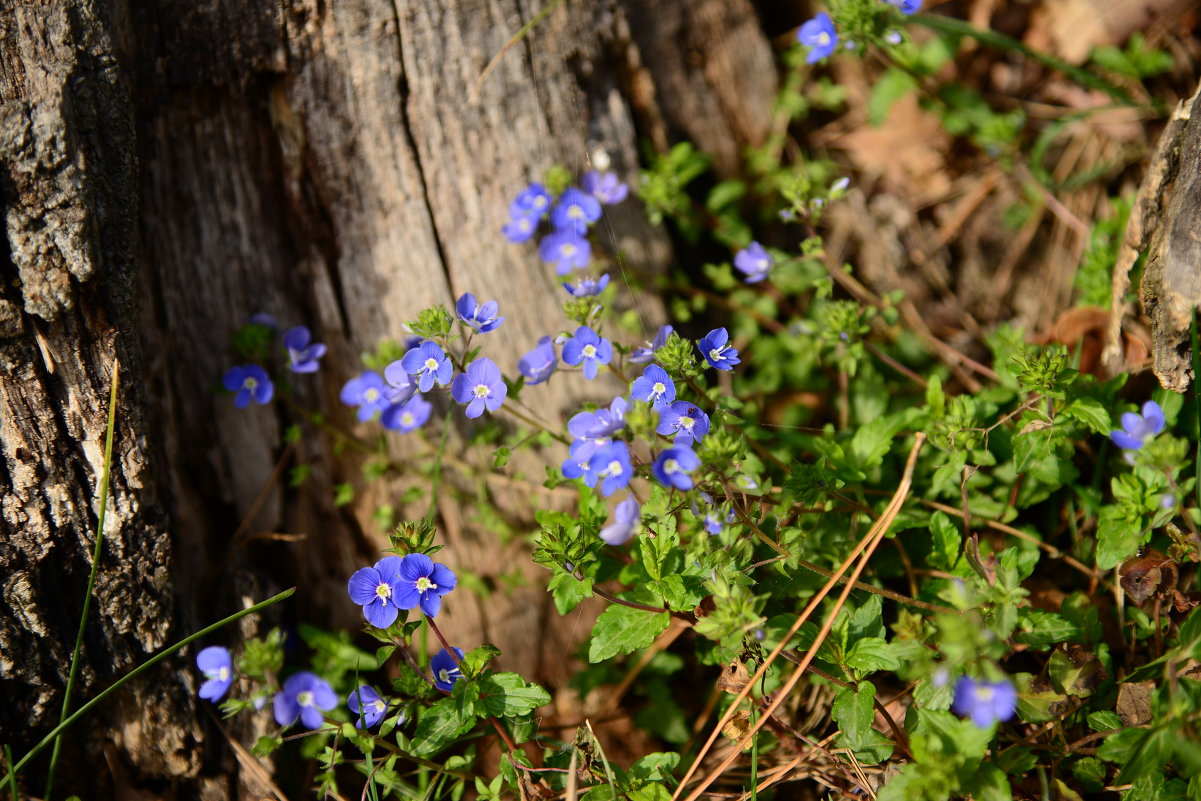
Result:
pixel 632 604
pixel 142 668
pixel 883 593
pixel 87 598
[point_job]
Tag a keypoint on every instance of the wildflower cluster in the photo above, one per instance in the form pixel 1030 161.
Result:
pixel 864 19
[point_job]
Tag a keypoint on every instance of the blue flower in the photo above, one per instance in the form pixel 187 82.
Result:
pixel 626 519
pixel 400 385
pixel 423 582
pixel 588 347
pixel 587 287
pixel 367 391
pixel 985 702
pixel 819 35
pixel 720 355
pixel 1137 429
pixel 302 357
pixel 576 466
pixel 655 387
pixel 754 262
pixel 575 211
pixel 532 202
pixel 481 387
pixel 685 421
pixel 566 250
pixel 605 187
pixel 366 706
pixel 481 318
pixel 644 355
pixel 305 695
pixel 375 589
pixel 249 381
pixel 538 364
pixel 408 416
pixel 712 521
pixel 612 467
pixel 217 666
pixel 907 6
pixel 893 37
pixel 446 669
pixel 673 466
pixel 427 363
pixel 520 229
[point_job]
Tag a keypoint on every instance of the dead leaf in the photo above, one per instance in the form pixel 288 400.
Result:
pixel 1134 703
pixel 908 150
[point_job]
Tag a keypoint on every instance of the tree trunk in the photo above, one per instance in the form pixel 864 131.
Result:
pixel 173 167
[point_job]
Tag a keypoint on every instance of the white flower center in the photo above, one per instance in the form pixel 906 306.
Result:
pixel 424 584
pixel 671 466
pixel 407 419
pixel 431 364
pixel 823 39
pixel 567 251
pixel 613 468
pixel 222 674
pixel 687 423
pixel 715 355
pixel 376 705
pixel 304 698
pixel 590 351
pixel 984 694
pixel 481 391
pixel 445 677
pixel 540 202
pixel 658 388
pixel 371 395
pixel 383 591
pixel 575 213
pixel 249 383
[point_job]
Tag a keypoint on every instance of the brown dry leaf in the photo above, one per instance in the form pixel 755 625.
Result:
pixel 1072 28
pixel 739 725
pixel 733 678
pixel 1134 703
pixel 907 150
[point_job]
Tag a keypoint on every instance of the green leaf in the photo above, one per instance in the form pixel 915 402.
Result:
pixel 890 87
pixel 988 783
pixel 507 695
pixel 1042 629
pixel 622 630
pixel 568 591
pixel 500 457
pixel 947 538
pixel 440 725
pixel 871 654
pixel 1091 773
pixel 1104 720
pixel 1117 537
pixel 1090 412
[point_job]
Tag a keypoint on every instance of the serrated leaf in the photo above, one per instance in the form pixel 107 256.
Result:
pixel 1090 412
pixel 870 654
pixel 1104 720
pixel 1042 629
pixel 507 695
pixel 440 725
pixel 947 539
pixel 622 630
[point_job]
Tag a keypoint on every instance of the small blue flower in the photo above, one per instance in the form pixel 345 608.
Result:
pixel 626 519
pixel 720 355
pixel 685 421
pixel 612 467
pixel 304 696
pixel 644 355
pixel 538 364
pixel 577 466
pixel 907 6
pixel 302 357
pixel 710 518
pixel 655 387
pixel 820 36
pixel 249 381
pixel 481 387
pixel 446 669
pixel 566 250
pixel 482 318
pixel 673 466
pixel 985 702
pixel 218 668
pixel 754 262
pixel 423 582
pixel 601 424
pixel 375 589
pixel 367 390
pixel 605 187
pixel 428 363
pixel 575 211
pixel 1137 429
pixel 893 37
pixel 366 706
pixel 532 202
pixel 588 347
pixel 587 287
pixel 400 385
pixel 408 416
pixel 520 229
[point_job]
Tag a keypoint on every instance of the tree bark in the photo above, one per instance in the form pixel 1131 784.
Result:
pixel 173 167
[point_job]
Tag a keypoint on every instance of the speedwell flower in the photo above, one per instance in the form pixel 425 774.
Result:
pixel 423 582
pixel 366 706
pixel 408 416
pixel 532 202
pixel 368 391
pixel 376 589
pixel 302 357
pixel 907 6
pixel 754 262
pixel 717 352
pixel 428 363
pixel 685 421
pixel 673 466
pixel 644 355
pixel 1137 429
pixel 305 695
pixel 575 211
pixel 538 364
pixel 248 381
pixel 217 666
pixel 820 36
pixel 480 317
pixel 612 467
pixel 587 287
pixel 626 519
pixel 605 187
pixel 520 229
pixel 446 669
pixel 566 250
pixel 480 387
pixel 985 702
pixel 401 385
pixel 655 387
pixel 588 347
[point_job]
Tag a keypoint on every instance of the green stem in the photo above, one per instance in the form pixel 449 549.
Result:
pixel 87 598
pixel 149 663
